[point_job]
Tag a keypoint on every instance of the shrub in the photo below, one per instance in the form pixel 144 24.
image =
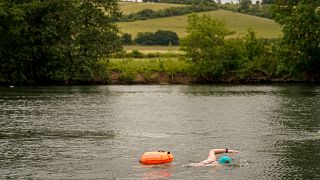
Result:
pixel 136 54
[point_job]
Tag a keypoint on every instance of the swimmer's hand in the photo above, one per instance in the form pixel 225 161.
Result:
pixel 232 151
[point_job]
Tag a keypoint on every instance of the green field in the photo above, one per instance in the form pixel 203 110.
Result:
pixel 237 22
pixel 130 7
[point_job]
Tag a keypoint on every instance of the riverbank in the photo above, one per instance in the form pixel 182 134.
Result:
pixel 166 69
pixel 180 78
pixel 164 78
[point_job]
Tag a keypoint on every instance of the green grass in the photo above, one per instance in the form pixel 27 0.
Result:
pixel 237 22
pixel 134 66
pixel 129 7
pixel 128 70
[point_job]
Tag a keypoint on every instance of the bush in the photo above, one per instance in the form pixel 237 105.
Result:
pixel 259 56
pixel 127 77
pixel 136 54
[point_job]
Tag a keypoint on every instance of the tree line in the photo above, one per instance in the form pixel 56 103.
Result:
pixel 246 7
pixel 167 12
pixel 160 37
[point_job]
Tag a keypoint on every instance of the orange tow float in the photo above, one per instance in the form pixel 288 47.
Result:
pixel 156 157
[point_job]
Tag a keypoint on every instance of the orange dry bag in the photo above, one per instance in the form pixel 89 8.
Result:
pixel 156 157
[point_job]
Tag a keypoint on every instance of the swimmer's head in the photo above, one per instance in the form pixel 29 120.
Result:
pixel 225 160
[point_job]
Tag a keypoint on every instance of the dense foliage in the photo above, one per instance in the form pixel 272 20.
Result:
pixel 172 11
pixel 160 37
pixel 300 47
pixel 203 45
pixel 49 40
pixel 212 56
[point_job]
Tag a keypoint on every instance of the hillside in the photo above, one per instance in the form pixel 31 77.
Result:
pixel 129 7
pixel 237 22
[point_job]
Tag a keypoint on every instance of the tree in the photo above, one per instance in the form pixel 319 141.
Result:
pixel 53 40
pixel 93 36
pixel 258 57
pixel 146 38
pixel 126 39
pixel 254 47
pixel 203 45
pixel 166 38
pixel 300 49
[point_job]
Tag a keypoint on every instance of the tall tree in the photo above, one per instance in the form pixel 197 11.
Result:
pixel 300 49
pixel 56 40
pixel 94 35
pixel 203 45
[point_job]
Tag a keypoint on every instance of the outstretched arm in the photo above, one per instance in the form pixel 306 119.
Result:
pixel 212 155
pixel 213 152
pixel 220 151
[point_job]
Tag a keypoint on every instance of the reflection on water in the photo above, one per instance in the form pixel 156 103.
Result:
pixel 94 132
pixel 160 171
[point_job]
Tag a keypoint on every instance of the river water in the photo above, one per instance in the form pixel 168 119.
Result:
pixel 99 132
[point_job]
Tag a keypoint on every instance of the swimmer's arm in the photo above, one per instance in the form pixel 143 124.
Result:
pixel 207 161
pixel 220 151
pixel 212 155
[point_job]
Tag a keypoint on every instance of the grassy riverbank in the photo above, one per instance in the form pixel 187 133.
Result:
pixel 176 70
pixel 159 70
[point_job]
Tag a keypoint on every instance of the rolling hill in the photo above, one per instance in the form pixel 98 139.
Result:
pixel 130 7
pixel 237 22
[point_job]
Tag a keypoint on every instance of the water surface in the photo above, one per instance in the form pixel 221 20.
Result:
pixel 94 132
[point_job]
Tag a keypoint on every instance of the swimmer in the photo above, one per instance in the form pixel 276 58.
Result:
pixel 212 159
